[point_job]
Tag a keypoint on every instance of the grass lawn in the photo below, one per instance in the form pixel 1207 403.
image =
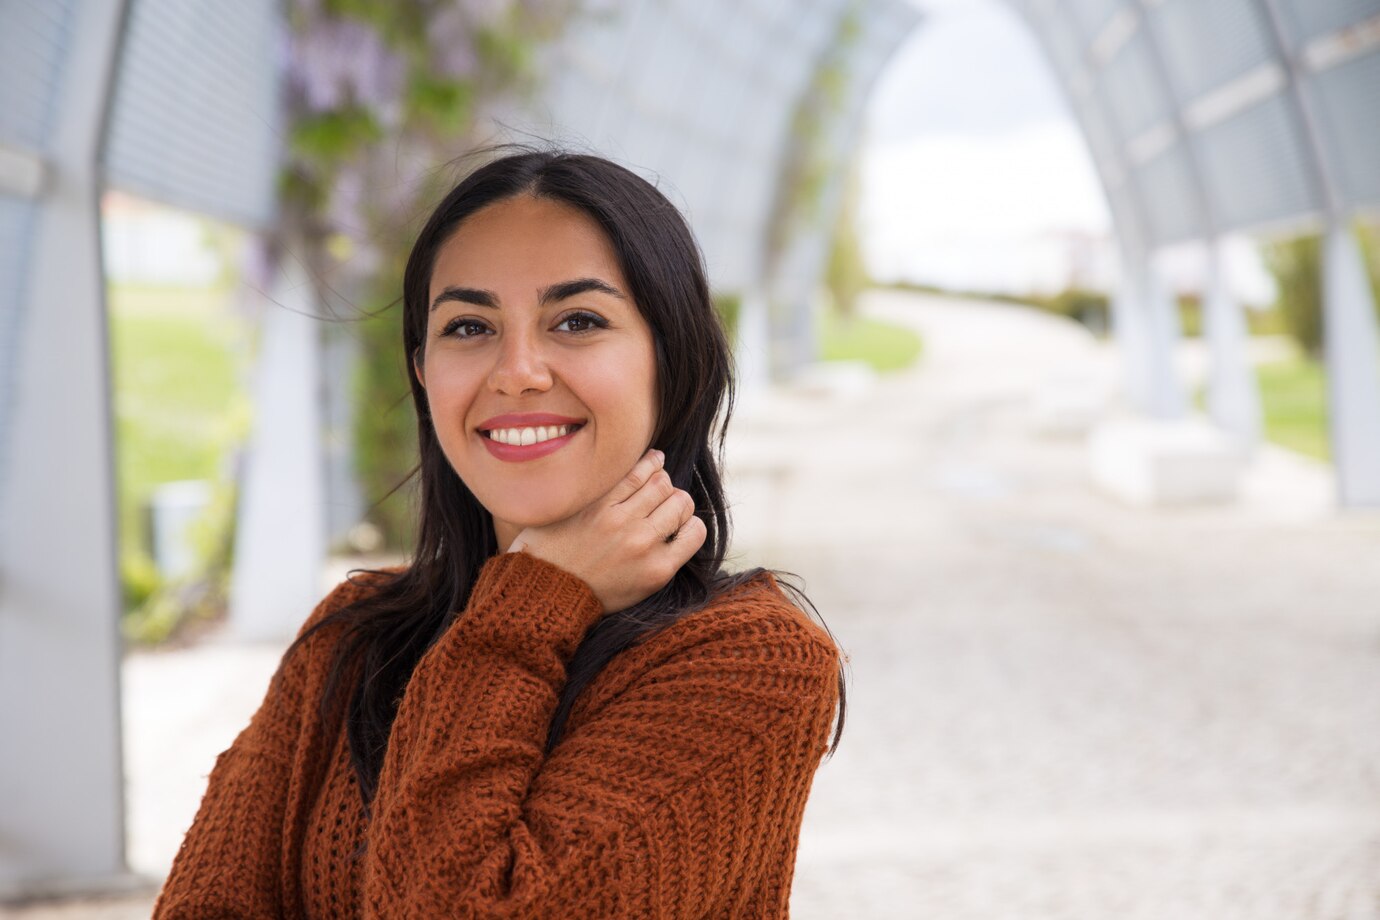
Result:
pixel 176 392
pixel 1293 399
pixel 884 346
pixel 1293 396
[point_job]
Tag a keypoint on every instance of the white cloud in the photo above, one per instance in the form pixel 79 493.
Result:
pixel 1010 212
pixel 1028 182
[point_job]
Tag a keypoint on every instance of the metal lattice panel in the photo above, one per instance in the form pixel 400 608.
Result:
pixel 1125 209
pixel 699 107
pixel 167 141
pixel 1091 16
pixel 33 44
pixel 16 229
pixel 1207 43
pixel 1348 99
pixel 1100 134
pixel 1257 168
pixel 1136 97
pixel 1308 19
pixel 1060 38
pixel 1167 188
pixel 1210 75
pixel 807 254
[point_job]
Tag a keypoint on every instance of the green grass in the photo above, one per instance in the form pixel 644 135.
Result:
pixel 884 346
pixel 1293 400
pixel 176 392
pixel 1293 395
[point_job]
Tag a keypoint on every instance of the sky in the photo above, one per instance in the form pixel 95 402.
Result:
pixel 976 176
pixel 974 173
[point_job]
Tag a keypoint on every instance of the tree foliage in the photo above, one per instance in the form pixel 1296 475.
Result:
pixel 1296 265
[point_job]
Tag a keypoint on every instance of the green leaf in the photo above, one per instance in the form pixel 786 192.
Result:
pixel 330 138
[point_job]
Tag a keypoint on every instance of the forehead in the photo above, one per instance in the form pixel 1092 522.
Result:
pixel 522 241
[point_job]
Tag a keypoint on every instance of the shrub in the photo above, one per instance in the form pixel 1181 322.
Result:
pixel 1297 270
pixel 1091 308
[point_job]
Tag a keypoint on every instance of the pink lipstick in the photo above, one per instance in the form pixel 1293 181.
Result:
pixel 514 428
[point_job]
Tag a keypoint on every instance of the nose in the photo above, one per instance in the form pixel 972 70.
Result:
pixel 520 365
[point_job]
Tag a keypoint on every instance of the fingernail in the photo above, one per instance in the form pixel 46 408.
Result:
pixel 660 457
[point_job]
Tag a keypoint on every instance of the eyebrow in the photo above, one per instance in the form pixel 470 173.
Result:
pixel 558 291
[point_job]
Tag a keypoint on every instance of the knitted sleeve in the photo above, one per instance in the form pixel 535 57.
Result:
pixel 672 797
pixel 238 829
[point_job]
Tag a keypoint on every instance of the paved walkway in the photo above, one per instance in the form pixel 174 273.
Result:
pixel 1063 707
pixel 1060 707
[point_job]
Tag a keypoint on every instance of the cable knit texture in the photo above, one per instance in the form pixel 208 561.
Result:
pixel 676 791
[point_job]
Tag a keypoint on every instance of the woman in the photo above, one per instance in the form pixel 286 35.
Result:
pixel 562 707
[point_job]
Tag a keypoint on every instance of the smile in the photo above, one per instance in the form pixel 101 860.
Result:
pixel 523 437
pixel 518 444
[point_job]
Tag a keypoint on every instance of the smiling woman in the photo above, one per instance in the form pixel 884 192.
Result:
pixel 557 334
pixel 563 706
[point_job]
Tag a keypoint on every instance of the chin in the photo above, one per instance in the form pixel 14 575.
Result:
pixel 535 514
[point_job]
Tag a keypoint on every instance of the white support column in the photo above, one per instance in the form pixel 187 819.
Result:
pixel 752 351
pixel 1158 455
pixel 280 543
pixel 1352 347
pixel 1166 394
pixel 61 778
pixel 1233 393
pixel 1128 329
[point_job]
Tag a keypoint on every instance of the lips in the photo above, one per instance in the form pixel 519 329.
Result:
pixel 514 453
pixel 527 420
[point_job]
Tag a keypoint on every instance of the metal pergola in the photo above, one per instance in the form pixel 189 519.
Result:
pixel 1203 116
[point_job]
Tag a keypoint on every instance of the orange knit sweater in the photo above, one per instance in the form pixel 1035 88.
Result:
pixel 677 789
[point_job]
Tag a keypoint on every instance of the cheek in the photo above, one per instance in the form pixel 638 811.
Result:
pixel 448 381
pixel 626 395
pixel 449 397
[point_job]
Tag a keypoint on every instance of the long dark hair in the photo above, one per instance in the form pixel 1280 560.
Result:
pixel 406 610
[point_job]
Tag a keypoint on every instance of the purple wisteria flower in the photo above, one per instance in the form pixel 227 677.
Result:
pixel 336 61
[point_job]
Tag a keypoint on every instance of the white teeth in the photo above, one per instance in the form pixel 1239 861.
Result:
pixel 525 436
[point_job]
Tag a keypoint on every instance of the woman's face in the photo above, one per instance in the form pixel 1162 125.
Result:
pixel 533 332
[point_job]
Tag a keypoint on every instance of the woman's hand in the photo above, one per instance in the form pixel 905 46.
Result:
pixel 618 544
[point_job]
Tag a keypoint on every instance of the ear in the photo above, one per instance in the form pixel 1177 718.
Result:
pixel 417 366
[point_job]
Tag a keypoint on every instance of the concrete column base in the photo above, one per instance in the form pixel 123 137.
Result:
pixel 1165 462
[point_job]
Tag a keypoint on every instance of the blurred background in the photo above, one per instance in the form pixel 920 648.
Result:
pixel 1059 389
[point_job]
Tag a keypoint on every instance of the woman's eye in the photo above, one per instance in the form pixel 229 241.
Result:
pixel 583 322
pixel 462 328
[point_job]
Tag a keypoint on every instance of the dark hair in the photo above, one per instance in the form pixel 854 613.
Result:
pixel 406 611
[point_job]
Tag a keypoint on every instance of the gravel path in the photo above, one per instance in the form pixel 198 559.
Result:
pixel 1062 707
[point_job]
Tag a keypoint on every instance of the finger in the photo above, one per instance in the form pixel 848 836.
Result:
pixel 656 490
pixel 688 541
pixel 637 477
pixel 671 515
